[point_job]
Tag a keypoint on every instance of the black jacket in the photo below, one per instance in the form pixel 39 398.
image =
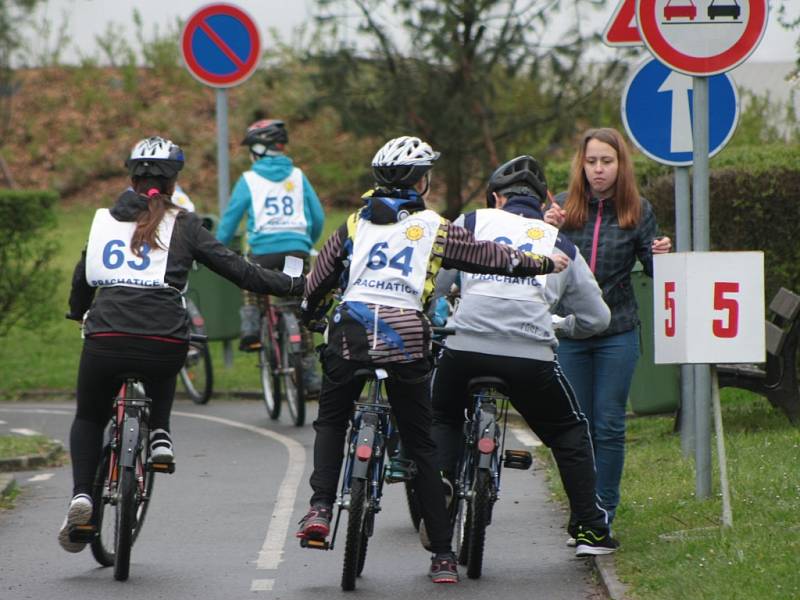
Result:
pixel 617 251
pixel 160 311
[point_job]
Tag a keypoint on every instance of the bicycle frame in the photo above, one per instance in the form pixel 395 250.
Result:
pixel 370 427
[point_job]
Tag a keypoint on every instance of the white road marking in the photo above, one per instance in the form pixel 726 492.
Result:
pixel 41 477
pixel 24 431
pixel 38 411
pixel 262 585
pixel 3 422
pixel 271 553
pixel 525 436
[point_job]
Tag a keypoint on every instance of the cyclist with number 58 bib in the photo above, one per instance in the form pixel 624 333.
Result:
pixel 284 217
pixel 386 258
pixel 130 279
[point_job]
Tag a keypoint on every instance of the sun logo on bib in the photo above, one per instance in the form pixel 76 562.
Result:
pixel 535 233
pixel 415 233
pixel 288 185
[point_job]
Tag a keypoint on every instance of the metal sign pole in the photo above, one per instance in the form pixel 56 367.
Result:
pixel 683 241
pixel 223 182
pixel 701 238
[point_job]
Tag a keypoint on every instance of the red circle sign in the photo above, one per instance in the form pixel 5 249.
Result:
pixel 702 37
pixel 221 45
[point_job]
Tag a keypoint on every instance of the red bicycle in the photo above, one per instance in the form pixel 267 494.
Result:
pixel 280 359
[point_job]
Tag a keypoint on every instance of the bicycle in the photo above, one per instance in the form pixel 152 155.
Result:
pixel 197 374
pixel 124 480
pixel 363 476
pixel 477 477
pixel 280 360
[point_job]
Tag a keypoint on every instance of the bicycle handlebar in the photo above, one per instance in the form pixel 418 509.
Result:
pixel 443 331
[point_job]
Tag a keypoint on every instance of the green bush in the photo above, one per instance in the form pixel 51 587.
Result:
pixel 28 282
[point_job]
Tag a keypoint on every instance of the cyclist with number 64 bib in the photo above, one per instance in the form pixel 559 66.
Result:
pixel 386 258
pixel 130 279
pixel 504 328
pixel 284 217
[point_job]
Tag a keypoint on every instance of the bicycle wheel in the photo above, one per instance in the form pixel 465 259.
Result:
pixel 480 514
pixel 125 523
pixel 196 374
pixel 355 548
pixel 267 363
pixel 291 370
pixel 413 504
pixel 103 491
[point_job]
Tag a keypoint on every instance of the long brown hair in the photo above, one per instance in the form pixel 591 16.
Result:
pixel 626 194
pixel 158 191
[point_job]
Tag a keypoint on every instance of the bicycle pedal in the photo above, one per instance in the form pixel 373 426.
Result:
pixel 400 469
pixel 517 459
pixel 314 544
pixel 162 467
pixel 82 534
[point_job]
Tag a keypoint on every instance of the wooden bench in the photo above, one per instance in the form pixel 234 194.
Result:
pixel 777 378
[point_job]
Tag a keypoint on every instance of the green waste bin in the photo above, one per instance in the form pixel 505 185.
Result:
pixel 217 298
pixel 655 388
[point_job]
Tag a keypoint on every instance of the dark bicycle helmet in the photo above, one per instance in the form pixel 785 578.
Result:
pixel 265 134
pixel 155 157
pixel 521 176
pixel 402 162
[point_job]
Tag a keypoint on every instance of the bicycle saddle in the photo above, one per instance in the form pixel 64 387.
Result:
pixel 477 383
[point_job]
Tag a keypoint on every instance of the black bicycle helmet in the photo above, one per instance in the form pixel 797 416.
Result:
pixel 402 162
pixel 264 135
pixel 155 157
pixel 521 176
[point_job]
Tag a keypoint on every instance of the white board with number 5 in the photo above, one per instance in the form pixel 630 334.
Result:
pixel 709 307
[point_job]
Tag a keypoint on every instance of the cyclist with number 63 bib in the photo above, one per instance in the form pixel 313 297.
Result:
pixel 504 328
pixel 386 258
pixel 130 279
pixel 284 217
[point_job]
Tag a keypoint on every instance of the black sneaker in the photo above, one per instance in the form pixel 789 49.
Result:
pixel 444 568
pixel 594 542
pixel 249 343
pixel 316 525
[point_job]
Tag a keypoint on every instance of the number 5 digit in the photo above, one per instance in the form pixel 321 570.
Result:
pixel 669 304
pixel 720 328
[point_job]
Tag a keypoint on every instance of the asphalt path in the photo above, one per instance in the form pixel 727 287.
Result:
pixel 222 526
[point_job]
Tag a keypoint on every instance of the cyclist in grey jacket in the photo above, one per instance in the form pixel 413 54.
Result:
pixel 504 328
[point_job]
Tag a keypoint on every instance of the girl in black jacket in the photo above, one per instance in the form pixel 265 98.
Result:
pixel 130 279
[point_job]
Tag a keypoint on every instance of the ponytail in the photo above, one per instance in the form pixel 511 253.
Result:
pixel 158 192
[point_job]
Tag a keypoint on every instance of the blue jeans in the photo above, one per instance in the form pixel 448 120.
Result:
pixel 600 370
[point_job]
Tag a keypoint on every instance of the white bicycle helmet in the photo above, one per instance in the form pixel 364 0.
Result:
pixel 155 157
pixel 401 162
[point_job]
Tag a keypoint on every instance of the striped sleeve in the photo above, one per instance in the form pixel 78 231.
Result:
pixel 463 252
pixel 324 277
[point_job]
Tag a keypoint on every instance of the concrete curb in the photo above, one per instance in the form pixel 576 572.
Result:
pixel 7 483
pixel 604 565
pixel 31 461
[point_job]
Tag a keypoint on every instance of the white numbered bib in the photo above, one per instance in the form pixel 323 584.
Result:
pixel 527 235
pixel 110 261
pixel 390 262
pixel 277 205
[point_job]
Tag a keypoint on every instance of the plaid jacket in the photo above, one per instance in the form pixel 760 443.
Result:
pixel 617 251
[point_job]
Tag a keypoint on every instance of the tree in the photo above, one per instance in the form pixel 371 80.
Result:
pixel 12 13
pixel 472 77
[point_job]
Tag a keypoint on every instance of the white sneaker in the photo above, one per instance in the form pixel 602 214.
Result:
pixel 78 513
pixel 161 446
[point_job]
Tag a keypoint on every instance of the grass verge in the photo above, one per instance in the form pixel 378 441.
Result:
pixel 16 445
pixel 673 546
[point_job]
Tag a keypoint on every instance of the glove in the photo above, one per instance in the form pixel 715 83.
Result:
pixel 318 325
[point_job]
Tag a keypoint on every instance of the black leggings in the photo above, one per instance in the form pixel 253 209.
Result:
pixel 540 393
pixel 104 361
pixel 408 390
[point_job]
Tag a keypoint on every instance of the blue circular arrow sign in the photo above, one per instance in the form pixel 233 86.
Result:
pixel 657 110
